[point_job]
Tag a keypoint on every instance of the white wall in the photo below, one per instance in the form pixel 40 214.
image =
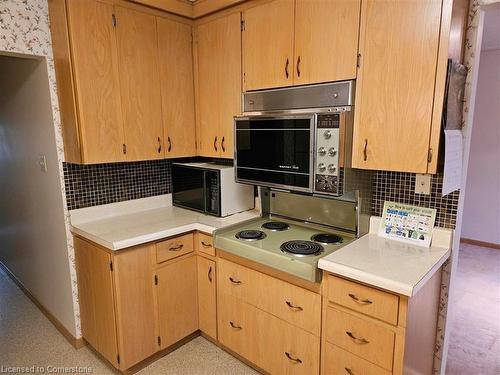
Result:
pixel 32 224
pixel 481 219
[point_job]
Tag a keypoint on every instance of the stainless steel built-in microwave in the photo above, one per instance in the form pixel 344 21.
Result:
pixel 296 138
pixel 210 188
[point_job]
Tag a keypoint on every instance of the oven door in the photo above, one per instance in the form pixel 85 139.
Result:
pixel 275 151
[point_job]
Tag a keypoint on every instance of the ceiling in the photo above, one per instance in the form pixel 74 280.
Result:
pixel 491 31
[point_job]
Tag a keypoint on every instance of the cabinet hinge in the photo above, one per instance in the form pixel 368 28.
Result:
pixel 429 155
pixel 118 358
pixel 124 148
pixel 111 266
pixel 159 341
pixel 242 25
pixel 156 279
pixel 113 19
pixel 358 61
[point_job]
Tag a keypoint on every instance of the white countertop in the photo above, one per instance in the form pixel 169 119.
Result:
pixel 388 264
pixel 120 225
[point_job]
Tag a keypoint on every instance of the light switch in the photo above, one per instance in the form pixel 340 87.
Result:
pixel 423 184
pixel 42 161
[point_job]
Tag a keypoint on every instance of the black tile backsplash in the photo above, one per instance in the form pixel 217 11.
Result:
pixel 400 187
pixel 96 184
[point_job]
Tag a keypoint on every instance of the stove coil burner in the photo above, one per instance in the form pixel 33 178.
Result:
pixel 327 238
pixel 250 235
pixel 301 248
pixel 275 226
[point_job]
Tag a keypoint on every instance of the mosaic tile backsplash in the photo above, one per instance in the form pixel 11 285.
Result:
pixel 400 187
pixel 96 184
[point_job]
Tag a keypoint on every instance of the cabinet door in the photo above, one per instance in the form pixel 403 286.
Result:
pixel 135 309
pixel 95 73
pixel 206 297
pixel 140 84
pixel 399 43
pixel 326 40
pixel 229 95
pixel 268 45
pixel 177 300
pixel 95 293
pixel 209 47
pixel 177 89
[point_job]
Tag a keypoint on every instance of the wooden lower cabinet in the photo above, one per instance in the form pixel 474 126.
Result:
pixel 177 300
pixel 207 308
pixel 261 331
pixel 339 361
pixel 116 302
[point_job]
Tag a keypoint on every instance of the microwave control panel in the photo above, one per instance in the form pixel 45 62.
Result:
pixel 327 153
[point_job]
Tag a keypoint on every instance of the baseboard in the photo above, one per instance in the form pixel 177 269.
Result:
pixel 480 243
pixel 77 343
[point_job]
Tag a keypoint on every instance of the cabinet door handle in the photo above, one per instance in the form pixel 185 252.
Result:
pixel 159 145
pixel 294 307
pixel 210 274
pixel 234 326
pixel 215 143
pixel 204 244
pixel 295 360
pixel 234 281
pixel 177 248
pixel 349 371
pixel 298 67
pixel 359 340
pixel 360 301
pixel 222 145
pixel 365 155
pixel 169 144
pixel 286 68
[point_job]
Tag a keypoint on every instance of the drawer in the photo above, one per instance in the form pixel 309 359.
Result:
pixel 237 327
pixel 338 361
pixel 174 247
pixel 373 302
pixel 296 305
pixel 360 337
pixel 204 242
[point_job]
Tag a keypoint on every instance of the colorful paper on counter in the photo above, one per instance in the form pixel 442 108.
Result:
pixel 406 223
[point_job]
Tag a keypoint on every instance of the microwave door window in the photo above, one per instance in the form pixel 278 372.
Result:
pixel 189 188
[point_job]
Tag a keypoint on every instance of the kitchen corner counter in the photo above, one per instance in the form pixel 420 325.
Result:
pixel 387 264
pixel 121 225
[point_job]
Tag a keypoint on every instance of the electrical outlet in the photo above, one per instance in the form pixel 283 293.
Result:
pixel 42 162
pixel 423 184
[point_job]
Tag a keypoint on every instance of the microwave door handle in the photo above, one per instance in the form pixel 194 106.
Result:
pixel 205 208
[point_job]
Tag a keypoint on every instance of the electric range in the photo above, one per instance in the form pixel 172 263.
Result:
pixel 297 232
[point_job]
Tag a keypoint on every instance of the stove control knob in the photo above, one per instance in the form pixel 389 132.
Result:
pixel 332 168
pixel 321 167
pixel 322 151
pixel 327 134
pixel 332 151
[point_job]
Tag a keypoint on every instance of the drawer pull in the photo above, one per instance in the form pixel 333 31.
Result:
pixel 176 248
pixel 295 360
pixel 359 340
pixel 360 301
pixel 234 326
pixel 204 244
pixel 349 371
pixel 293 307
pixel 234 281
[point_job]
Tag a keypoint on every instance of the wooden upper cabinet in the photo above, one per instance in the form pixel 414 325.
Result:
pixel 395 90
pixel 140 84
pixel 218 47
pixel 326 40
pixel 96 82
pixel 177 87
pixel 268 59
